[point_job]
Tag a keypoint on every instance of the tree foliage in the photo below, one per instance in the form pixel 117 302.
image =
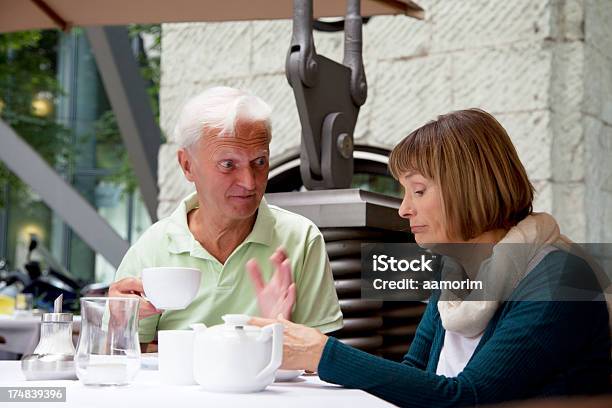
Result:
pixel 27 69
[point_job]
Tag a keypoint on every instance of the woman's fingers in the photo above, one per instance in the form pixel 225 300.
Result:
pixel 261 321
pixel 284 321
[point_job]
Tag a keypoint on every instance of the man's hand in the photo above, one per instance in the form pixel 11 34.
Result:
pixel 132 287
pixel 278 296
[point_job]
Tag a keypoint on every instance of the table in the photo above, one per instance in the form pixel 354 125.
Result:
pixel 20 333
pixel 146 391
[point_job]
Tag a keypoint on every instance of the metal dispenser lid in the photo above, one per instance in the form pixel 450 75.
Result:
pixel 57 316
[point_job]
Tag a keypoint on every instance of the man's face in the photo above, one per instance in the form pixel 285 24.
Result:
pixel 230 172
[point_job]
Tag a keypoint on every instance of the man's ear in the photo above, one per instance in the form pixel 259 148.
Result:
pixel 186 163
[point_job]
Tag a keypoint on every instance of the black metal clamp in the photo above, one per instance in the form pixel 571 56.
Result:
pixel 328 96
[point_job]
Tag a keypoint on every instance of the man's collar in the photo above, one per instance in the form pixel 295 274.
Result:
pixel 177 232
pixel 180 239
pixel 262 230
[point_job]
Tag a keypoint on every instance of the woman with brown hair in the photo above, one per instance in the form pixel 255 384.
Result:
pixel 464 183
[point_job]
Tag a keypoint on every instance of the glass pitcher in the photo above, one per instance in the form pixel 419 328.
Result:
pixel 108 352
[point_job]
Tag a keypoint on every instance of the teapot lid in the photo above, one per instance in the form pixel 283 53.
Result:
pixel 235 326
pixel 236 320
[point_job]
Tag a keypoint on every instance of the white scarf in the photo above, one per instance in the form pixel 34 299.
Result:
pixel 501 273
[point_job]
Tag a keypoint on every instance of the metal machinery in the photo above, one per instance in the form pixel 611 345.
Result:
pixel 328 97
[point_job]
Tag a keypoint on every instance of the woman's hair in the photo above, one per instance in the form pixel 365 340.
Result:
pixel 219 109
pixel 470 156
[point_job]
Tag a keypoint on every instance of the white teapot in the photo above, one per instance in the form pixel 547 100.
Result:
pixel 235 357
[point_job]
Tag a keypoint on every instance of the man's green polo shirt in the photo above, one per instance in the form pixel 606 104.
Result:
pixel 227 288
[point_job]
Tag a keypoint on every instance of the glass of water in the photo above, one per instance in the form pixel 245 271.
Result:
pixel 108 352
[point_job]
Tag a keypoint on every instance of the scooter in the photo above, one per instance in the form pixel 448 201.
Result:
pixel 44 285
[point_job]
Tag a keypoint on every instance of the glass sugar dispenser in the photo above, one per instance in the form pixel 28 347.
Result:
pixel 53 358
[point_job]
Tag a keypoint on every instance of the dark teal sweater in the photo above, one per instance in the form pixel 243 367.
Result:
pixel 531 348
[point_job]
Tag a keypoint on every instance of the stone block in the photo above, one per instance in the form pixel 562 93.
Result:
pixel 568 20
pixel 395 37
pixel 173 186
pixel 543 196
pixel 503 79
pixel 271 40
pixel 568 146
pixel 569 209
pixel 532 137
pixel 596 213
pixel 598 30
pixel 607 219
pixel 205 51
pixel 330 45
pixel 606 91
pixel 463 25
pixel 596 80
pixel 166 207
pixel 567 94
pixel 597 157
pixel 406 94
pixel 567 76
pixel 364 121
pixel 605 141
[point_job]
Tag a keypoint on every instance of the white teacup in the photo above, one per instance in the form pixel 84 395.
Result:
pixel 169 287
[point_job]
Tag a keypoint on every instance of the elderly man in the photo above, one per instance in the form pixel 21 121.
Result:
pixel 226 228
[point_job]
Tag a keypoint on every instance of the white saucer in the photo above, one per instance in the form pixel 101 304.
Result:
pixel 287 375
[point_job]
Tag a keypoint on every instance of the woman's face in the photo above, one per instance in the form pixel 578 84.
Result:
pixel 423 207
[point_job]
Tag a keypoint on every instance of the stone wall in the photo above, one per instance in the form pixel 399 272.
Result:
pixel 543 68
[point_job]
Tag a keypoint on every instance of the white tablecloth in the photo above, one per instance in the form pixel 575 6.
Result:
pixel 146 391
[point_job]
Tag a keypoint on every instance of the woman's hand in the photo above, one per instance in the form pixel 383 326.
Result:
pixel 302 346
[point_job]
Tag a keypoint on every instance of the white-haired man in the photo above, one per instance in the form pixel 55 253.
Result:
pixel 226 229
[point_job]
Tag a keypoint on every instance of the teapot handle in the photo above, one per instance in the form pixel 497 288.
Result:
pixel 276 357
